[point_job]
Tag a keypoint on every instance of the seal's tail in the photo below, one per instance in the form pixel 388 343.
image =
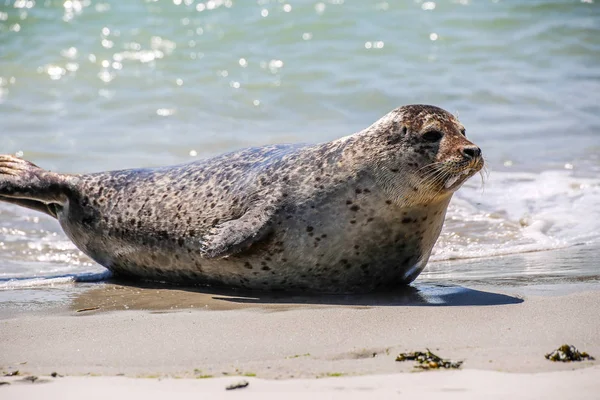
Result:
pixel 28 185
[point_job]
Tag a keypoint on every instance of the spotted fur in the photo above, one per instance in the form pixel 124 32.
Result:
pixel 357 214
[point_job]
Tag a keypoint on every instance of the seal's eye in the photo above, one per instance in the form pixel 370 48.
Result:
pixel 463 132
pixel 432 136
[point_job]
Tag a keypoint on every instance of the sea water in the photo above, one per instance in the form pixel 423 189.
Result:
pixel 100 85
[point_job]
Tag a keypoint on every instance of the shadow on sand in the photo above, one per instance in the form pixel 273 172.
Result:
pixel 120 294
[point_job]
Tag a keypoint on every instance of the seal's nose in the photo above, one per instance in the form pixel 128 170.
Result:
pixel 471 152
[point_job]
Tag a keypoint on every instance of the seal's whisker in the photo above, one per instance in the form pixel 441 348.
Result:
pixel 484 173
pixel 444 171
pixel 485 170
pixel 437 181
pixel 435 184
pixel 431 175
pixel 432 165
pixel 433 178
pixel 482 181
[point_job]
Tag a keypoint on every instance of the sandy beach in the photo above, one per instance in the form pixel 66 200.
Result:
pixel 336 346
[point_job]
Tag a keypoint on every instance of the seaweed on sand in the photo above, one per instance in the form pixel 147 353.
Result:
pixel 567 353
pixel 427 360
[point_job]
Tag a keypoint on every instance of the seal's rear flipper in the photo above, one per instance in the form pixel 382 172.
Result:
pixel 49 209
pixel 27 185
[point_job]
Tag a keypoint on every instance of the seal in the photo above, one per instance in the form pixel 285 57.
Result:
pixel 354 215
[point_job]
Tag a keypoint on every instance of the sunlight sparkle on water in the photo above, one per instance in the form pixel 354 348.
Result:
pixel 71 67
pixel 374 45
pixel 106 76
pixel 73 7
pixel 55 72
pixel 165 112
pixel 275 65
pixel 23 4
pixel 428 6
pixel 71 52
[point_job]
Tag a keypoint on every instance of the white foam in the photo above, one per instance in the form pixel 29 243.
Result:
pixel 520 212
pixel 49 281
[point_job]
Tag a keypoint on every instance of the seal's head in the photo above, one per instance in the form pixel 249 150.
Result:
pixel 422 153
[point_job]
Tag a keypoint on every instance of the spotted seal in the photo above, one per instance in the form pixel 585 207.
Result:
pixel 357 214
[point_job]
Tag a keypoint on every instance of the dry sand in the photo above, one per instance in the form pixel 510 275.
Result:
pixel 501 334
pixel 468 384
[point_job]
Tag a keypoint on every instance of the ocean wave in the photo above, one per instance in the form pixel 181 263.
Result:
pixel 520 213
pixel 49 281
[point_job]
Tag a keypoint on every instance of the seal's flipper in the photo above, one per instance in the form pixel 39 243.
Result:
pixel 49 209
pixel 233 236
pixel 28 185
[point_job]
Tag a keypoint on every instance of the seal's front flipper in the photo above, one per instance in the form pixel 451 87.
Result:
pixel 234 236
pixel 27 185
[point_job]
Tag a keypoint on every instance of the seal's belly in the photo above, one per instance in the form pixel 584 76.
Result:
pixel 355 252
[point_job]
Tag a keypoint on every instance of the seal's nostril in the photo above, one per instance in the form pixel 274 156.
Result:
pixel 471 151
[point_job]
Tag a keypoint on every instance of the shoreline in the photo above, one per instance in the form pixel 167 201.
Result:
pixel 451 282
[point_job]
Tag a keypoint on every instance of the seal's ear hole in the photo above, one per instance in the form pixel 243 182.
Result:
pixel 432 136
pixel 404 130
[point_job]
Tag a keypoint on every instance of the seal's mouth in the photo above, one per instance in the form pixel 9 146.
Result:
pixel 450 175
pixel 458 174
pixel 458 178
